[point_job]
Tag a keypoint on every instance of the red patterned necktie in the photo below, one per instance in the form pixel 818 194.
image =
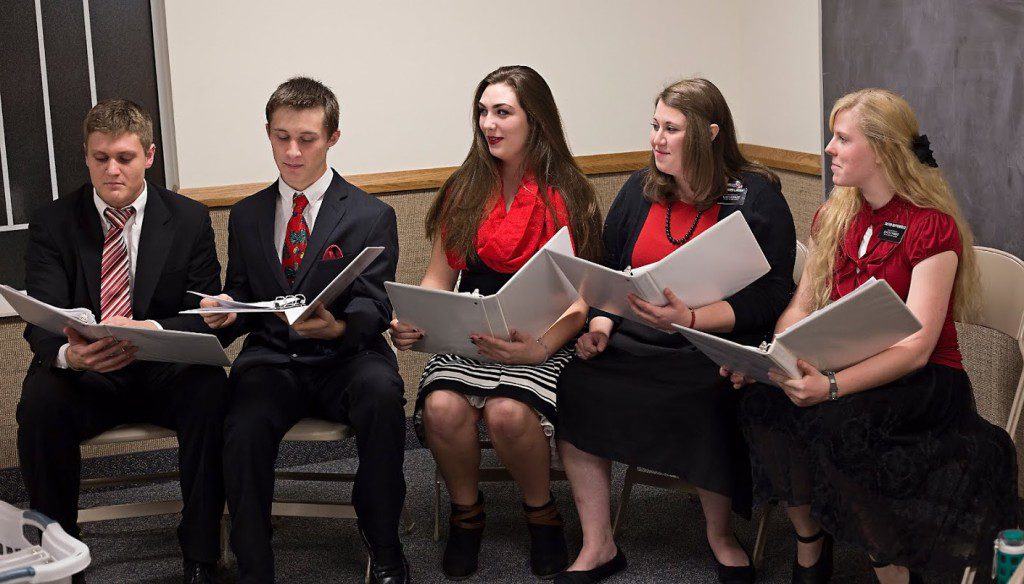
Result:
pixel 295 239
pixel 115 287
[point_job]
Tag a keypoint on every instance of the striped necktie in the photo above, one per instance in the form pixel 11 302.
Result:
pixel 115 287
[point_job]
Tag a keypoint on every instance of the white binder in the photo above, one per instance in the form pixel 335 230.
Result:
pixel 859 325
pixel 530 302
pixel 295 307
pixel 154 345
pixel 719 262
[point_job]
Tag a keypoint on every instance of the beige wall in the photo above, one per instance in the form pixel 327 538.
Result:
pixel 405 72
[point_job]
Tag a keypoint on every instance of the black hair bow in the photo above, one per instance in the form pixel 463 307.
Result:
pixel 923 149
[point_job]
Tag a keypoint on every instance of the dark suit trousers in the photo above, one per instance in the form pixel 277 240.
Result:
pixel 364 391
pixel 61 408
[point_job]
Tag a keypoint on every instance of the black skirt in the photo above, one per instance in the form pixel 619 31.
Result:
pixel 907 471
pixel 669 412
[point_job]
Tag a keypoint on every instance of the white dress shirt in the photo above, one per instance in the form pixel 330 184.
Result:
pixel 315 196
pixel 131 234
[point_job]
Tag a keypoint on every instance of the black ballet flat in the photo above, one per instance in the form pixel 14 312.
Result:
pixel 734 574
pixel 915 577
pixel 593 575
pixel 821 571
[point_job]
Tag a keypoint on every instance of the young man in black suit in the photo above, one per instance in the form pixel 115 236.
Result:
pixel 128 250
pixel 292 238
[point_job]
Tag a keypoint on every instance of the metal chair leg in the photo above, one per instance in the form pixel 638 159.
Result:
pixel 437 506
pixel 762 533
pixel 620 511
pixel 407 523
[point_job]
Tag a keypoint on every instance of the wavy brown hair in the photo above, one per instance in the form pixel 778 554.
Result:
pixel 456 212
pixel 890 126
pixel 708 164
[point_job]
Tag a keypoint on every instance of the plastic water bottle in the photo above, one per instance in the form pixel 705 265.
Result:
pixel 1009 551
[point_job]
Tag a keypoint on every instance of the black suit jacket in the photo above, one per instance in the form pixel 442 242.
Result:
pixel 176 253
pixel 348 218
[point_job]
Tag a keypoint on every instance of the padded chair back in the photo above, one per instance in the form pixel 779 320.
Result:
pixel 998 366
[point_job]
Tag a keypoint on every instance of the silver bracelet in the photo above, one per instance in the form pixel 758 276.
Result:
pixel 547 350
pixel 833 388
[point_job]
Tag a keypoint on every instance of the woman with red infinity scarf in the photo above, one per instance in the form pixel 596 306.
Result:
pixel 518 186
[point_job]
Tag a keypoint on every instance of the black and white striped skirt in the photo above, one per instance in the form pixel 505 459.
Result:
pixel 533 385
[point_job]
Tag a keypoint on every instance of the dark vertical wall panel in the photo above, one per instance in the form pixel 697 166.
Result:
pixel 12 259
pixel 21 90
pixel 122 44
pixel 960 64
pixel 67 66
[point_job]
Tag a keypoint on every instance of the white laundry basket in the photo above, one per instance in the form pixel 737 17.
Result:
pixel 55 559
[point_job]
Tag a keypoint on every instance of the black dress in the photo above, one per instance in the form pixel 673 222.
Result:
pixel 651 398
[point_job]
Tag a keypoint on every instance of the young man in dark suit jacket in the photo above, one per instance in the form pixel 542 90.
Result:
pixel 128 250
pixel 293 238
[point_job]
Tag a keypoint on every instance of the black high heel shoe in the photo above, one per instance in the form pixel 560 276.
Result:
pixel 735 574
pixel 821 571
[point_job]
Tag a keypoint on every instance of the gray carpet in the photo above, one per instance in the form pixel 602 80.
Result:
pixel 664 539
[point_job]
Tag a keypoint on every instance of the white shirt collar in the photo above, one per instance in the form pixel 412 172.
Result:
pixel 313 193
pixel 139 204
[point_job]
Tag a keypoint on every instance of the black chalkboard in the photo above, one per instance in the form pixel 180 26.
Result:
pixel 960 64
pixel 42 108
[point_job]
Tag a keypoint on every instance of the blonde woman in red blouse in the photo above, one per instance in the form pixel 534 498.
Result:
pixel 889 454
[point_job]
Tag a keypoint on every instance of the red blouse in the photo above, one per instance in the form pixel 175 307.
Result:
pixel 652 244
pixel 925 232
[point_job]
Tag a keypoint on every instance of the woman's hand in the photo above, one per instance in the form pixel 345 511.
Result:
pixel 809 390
pixel 738 380
pixel 404 335
pixel 591 344
pixel 661 317
pixel 522 349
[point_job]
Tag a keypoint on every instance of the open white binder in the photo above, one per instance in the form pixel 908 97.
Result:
pixel 154 345
pixel 859 325
pixel 719 262
pixel 530 302
pixel 295 307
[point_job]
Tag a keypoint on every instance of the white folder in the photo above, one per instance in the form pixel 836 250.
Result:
pixel 719 262
pixel 530 302
pixel 154 345
pixel 859 325
pixel 295 307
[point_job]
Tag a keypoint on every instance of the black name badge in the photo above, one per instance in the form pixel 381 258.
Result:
pixel 735 194
pixel 892 232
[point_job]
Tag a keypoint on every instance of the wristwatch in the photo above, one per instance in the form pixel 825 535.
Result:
pixel 833 389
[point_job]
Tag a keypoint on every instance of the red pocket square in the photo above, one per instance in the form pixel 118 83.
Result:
pixel 333 252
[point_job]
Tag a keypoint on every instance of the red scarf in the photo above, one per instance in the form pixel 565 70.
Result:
pixel 505 240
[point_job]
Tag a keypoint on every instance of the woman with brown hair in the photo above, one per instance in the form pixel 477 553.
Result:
pixel 888 454
pixel 518 185
pixel 640 395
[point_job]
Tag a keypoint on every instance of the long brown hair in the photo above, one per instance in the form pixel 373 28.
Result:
pixel 461 202
pixel 708 164
pixel 890 126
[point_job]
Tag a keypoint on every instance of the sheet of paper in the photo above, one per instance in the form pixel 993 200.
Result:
pixel 164 345
pixel 303 310
pixel 863 323
pixel 714 265
pixel 530 302
pixel 750 361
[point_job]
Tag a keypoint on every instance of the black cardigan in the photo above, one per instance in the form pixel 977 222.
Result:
pixel 758 306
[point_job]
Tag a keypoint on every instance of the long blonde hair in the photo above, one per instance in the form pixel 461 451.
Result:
pixel 890 126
